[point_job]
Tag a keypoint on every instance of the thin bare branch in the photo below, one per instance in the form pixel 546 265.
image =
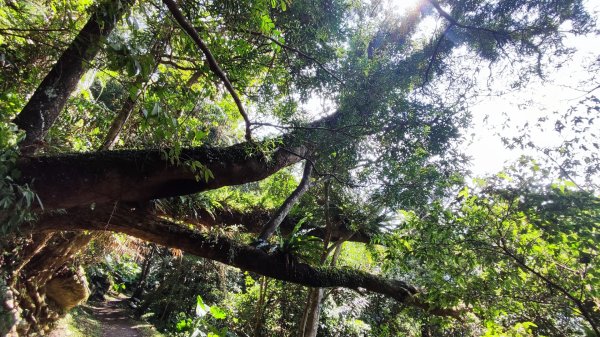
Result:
pixel 299 127
pixel 455 22
pixel 321 174
pixel 435 52
pixel 297 51
pixel 34 29
pixel 212 62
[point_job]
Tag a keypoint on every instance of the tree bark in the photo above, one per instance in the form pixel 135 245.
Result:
pixel 43 108
pixel 227 251
pixel 260 306
pixel 112 136
pixel 147 265
pixel 51 254
pixel 51 95
pixel 287 205
pixel 313 312
pixel 55 255
pixel 71 180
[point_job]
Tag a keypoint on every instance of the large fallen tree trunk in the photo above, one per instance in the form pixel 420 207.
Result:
pixel 71 180
pixel 278 265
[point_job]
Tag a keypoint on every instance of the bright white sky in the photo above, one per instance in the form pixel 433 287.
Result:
pixel 557 94
pixel 489 155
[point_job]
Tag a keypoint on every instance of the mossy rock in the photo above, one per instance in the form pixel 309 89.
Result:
pixel 68 289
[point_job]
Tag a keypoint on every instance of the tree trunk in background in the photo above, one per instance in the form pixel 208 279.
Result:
pixel 117 124
pixel 312 312
pixel 112 136
pixel 38 242
pixel 50 97
pixel 42 267
pixel 141 285
pixel 283 210
pixel 260 306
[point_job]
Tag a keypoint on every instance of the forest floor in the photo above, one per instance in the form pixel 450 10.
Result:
pixel 111 318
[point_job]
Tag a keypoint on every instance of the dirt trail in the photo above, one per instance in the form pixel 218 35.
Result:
pixel 114 319
pixel 107 319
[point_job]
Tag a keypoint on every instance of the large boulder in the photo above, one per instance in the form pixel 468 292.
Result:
pixel 68 289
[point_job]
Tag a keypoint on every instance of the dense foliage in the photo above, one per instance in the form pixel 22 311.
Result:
pixel 180 123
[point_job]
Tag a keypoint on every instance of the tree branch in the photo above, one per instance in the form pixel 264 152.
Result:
pixel 435 52
pixel 70 180
pixel 494 33
pixel 300 127
pixel 321 174
pixel 270 227
pixel 212 62
pixel 588 316
pixel 34 29
pixel 297 51
pixel 455 22
pixel 232 253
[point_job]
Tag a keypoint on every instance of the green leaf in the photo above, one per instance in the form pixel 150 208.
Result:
pixel 464 193
pixel 201 308
pixel 217 312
